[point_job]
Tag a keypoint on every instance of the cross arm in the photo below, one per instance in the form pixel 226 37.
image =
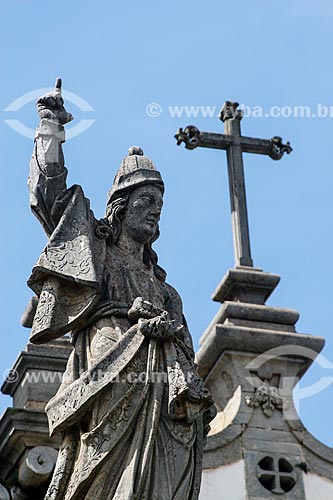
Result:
pixel 273 147
pixel 193 138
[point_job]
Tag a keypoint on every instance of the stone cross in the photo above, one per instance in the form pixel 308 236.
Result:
pixel 235 144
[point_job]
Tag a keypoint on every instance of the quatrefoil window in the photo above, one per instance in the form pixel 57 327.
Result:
pixel 276 475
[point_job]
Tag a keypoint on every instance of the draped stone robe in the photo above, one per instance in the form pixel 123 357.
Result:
pixel 131 409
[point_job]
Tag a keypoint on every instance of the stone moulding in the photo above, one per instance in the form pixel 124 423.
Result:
pixel 230 338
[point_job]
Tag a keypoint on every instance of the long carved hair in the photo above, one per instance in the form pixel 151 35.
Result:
pixel 109 228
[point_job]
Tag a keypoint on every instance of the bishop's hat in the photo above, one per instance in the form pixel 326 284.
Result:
pixel 135 170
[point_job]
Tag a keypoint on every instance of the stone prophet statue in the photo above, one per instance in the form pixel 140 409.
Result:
pixel 132 410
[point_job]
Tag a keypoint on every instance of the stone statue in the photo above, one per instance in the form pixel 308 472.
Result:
pixel 131 408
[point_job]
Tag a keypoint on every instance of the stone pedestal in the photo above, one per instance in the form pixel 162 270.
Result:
pixel 27 453
pixel 251 358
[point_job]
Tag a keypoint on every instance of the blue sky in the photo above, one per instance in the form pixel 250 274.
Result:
pixel 120 57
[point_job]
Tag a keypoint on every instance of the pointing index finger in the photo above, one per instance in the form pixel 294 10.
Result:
pixel 58 83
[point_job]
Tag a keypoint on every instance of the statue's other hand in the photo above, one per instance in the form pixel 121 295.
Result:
pixel 51 106
pixel 144 309
pixel 160 328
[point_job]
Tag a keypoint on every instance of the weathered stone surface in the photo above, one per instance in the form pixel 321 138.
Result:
pixel 37 466
pixel 100 281
pixel 253 315
pixel 25 428
pixel 246 285
pixel 253 350
pixel 35 377
pixel 228 452
pixel 21 429
pixel 38 374
pixel 238 338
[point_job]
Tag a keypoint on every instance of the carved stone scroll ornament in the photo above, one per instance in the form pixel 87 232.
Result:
pixel 268 398
pixel 37 467
pixel 190 136
pixel 278 148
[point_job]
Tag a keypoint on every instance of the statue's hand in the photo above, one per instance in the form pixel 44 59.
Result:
pixel 154 322
pixel 144 309
pixel 160 328
pixel 51 106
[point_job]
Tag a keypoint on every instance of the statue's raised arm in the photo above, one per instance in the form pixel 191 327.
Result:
pixel 67 275
pixel 47 179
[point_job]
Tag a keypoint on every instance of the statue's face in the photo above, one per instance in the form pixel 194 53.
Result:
pixel 143 212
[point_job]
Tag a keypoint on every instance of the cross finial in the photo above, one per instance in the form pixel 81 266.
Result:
pixel 235 144
pixel 231 110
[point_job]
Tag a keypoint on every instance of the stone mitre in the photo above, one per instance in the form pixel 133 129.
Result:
pixel 135 170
